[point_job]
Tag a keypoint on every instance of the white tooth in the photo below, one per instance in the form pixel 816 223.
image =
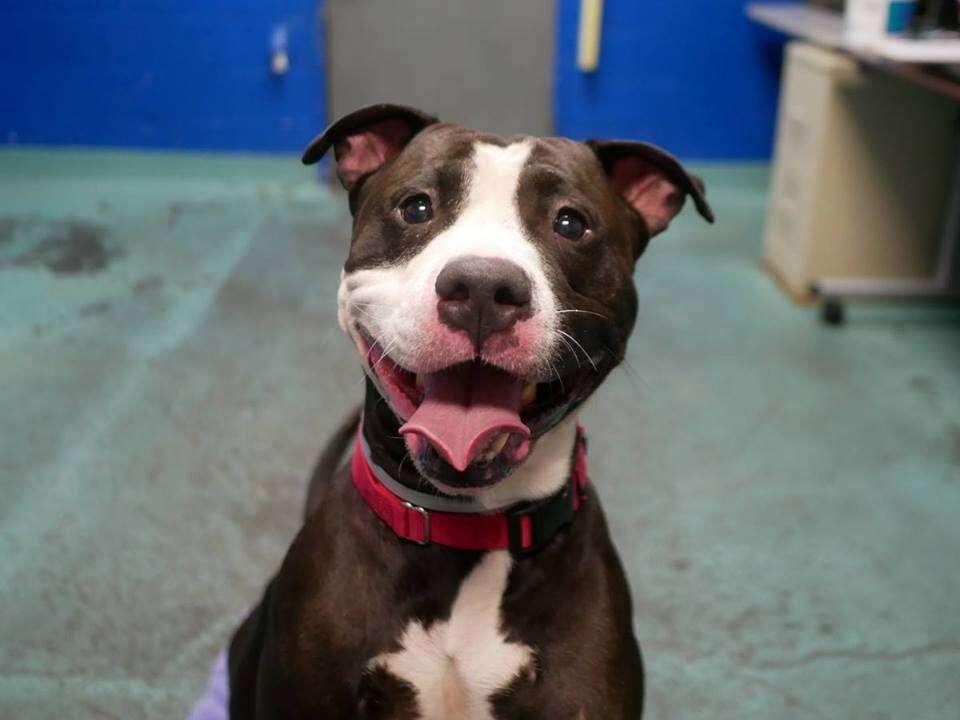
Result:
pixel 497 445
pixel 418 379
pixel 529 393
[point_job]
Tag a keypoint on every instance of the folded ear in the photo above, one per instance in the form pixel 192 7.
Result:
pixel 651 180
pixel 366 139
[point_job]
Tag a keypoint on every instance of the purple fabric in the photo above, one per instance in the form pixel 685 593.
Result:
pixel 213 704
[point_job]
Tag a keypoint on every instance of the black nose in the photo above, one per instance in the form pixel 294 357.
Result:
pixel 482 296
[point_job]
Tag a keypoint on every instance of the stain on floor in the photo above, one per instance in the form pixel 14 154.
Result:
pixel 63 247
pixel 148 284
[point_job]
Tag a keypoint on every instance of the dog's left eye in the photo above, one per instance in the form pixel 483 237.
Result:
pixel 417 209
pixel 569 224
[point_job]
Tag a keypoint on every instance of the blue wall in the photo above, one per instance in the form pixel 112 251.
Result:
pixel 175 74
pixel 694 76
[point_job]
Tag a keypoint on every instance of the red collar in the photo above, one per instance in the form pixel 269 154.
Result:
pixel 523 529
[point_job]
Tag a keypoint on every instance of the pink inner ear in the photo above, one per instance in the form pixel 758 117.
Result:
pixel 648 191
pixel 366 151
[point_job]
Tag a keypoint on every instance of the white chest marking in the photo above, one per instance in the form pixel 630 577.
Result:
pixel 456 665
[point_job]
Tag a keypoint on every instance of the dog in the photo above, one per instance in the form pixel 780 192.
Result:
pixel 459 566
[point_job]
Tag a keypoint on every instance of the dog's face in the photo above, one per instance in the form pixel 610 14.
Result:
pixel 489 284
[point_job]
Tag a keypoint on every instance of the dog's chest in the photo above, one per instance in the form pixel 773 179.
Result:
pixel 455 666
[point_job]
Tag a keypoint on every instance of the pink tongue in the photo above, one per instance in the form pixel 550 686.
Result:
pixel 463 408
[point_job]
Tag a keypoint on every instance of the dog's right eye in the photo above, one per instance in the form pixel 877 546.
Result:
pixel 417 209
pixel 570 224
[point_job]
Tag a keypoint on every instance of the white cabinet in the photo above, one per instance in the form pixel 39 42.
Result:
pixel 862 172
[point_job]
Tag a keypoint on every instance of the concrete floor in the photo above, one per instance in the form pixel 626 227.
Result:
pixel 785 496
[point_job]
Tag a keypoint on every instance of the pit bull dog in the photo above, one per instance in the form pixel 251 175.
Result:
pixel 459 566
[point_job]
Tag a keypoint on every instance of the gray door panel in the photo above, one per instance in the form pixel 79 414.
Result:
pixel 487 64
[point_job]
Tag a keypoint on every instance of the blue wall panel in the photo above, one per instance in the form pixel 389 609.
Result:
pixel 176 74
pixel 692 75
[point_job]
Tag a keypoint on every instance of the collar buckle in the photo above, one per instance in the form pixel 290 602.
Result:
pixel 425 540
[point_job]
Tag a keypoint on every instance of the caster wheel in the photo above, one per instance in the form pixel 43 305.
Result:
pixel 831 312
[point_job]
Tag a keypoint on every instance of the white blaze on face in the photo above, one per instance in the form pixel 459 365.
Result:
pixel 456 665
pixel 397 304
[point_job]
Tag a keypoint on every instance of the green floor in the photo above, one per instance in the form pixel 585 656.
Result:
pixel 786 497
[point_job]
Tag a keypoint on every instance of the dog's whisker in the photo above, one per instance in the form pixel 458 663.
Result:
pixel 557 373
pixel 365 314
pixel 570 348
pixel 583 312
pixel 385 353
pixel 577 342
pixel 637 380
pixel 362 307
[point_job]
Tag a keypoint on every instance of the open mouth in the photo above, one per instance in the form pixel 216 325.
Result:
pixel 474 417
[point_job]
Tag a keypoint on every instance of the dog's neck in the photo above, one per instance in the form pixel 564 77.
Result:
pixel 543 473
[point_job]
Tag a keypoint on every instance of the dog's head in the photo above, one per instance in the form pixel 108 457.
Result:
pixel 489 284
